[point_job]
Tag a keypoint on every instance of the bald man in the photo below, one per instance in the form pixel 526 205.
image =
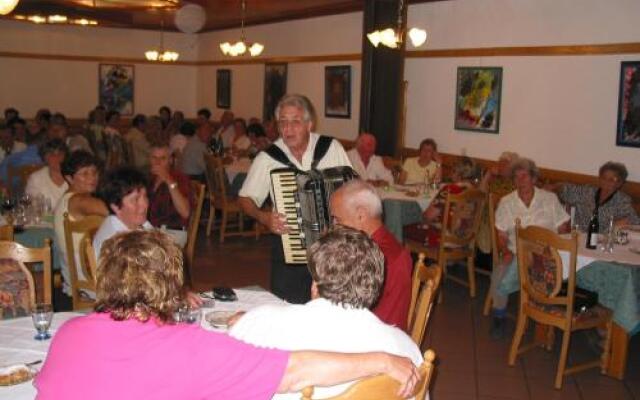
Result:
pixel 357 205
pixel 368 165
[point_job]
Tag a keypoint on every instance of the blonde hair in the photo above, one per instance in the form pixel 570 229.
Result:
pixel 140 276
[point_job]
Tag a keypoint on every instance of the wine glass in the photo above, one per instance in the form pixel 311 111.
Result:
pixel 8 204
pixel 41 316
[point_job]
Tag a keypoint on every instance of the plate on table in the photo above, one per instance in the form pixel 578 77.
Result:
pixel 219 319
pixel 15 374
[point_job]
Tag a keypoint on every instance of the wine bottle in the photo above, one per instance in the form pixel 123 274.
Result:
pixel 592 231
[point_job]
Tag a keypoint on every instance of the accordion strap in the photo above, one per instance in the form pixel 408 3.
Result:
pixel 322 146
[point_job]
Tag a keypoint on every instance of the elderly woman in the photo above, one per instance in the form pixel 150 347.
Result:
pixel 606 199
pixel 48 181
pixel 427 167
pixel 133 336
pixel 80 170
pixel 533 206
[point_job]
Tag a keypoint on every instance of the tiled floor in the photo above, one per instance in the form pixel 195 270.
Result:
pixel 470 365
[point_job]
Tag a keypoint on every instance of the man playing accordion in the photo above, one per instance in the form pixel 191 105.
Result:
pixel 302 149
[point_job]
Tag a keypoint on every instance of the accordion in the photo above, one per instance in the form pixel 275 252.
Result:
pixel 303 197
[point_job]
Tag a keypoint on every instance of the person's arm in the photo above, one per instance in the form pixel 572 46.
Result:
pixel 83 204
pixel 505 255
pixel 313 368
pixel 176 191
pixel 272 220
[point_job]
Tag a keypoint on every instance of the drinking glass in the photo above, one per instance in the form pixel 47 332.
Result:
pixel 188 315
pixel 41 316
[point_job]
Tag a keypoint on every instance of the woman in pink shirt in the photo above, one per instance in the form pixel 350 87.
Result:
pixel 131 347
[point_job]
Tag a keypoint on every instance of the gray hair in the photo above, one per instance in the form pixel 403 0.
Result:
pixel 358 193
pixel 525 164
pixel 509 156
pixel 298 101
pixel 617 168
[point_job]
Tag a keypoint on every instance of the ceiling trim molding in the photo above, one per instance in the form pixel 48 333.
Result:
pixel 565 50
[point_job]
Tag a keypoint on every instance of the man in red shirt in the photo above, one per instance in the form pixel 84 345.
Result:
pixel 357 205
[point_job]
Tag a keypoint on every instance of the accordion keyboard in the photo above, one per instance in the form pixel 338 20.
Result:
pixel 284 190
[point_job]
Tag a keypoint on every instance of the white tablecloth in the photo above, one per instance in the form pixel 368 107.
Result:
pixel 620 254
pixel 399 192
pixel 17 345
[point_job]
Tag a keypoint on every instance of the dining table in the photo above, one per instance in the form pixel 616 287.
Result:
pixel 615 276
pixel 18 346
pixel 404 204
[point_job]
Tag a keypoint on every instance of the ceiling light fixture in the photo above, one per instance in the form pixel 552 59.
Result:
pixel 160 54
pixel 6 6
pixel 393 38
pixel 240 48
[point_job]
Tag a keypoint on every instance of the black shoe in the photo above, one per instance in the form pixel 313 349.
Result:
pixel 497 330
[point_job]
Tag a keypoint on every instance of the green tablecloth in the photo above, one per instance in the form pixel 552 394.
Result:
pixel 34 237
pixel 617 285
pixel 398 213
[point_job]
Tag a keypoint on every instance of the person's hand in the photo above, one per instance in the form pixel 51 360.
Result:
pixel 234 318
pixel 162 174
pixel 276 223
pixel 378 182
pixel 194 300
pixel 402 370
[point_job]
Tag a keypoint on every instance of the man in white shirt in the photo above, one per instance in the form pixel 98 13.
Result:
pixel 368 165
pixel 48 181
pixel 193 163
pixel 227 129
pixel 348 276
pixel 533 206
pixel 125 193
pixel 8 144
pixel 295 116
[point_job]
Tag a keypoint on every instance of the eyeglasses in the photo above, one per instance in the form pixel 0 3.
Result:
pixel 294 123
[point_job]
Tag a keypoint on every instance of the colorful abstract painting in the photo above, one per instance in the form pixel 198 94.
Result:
pixel 629 105
pixel 478 94
pixel 115 89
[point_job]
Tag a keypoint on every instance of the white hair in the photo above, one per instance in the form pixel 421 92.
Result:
pixel 358 193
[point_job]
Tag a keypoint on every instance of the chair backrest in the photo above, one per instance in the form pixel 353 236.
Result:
pixel 17 177
pixel 540 266
pixel 86 227
pixel 383 387
pixel 198 190
pixel 216 180
pixel 87 257
pixel 6 233
pixel 492 204
pixel 425 284
pixel 461 219
pixel 17 286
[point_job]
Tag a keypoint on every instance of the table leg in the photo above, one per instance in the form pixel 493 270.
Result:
pixel 619 350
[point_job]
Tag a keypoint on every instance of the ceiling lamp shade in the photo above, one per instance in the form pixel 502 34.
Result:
pixel 240 47
pixel 393 38
pixel 6 6
pixel 190 18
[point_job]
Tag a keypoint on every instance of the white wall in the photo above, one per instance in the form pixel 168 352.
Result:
pixel 71 87
pixel 561 111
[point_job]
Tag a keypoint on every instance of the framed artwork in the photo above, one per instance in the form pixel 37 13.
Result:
pixel 223 88
pixel 629 105
pixel 115 87
pixel 275 86
pixel 478 95
pixel 337 91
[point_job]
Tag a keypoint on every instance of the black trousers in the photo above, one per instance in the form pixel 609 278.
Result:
pixel 290 282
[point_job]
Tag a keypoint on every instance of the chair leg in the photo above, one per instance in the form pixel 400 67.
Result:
pixel 471 271
pixel 517 338
pixel 550 339
pixel 606 350
pixel 486 310
pixel 562 363
pixel 241 221
pixel 212 216
pixel 223 225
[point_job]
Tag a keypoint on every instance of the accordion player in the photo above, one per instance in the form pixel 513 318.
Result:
pixel 303 197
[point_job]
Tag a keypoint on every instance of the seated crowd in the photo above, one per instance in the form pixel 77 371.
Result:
pixel 353 296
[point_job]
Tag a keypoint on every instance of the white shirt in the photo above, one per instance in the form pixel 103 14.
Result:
pixel 324 326
pixel 110 226
pixel 257 186
pixel 375 170
pixel 40 183
pixel 227 135
pixel 545 211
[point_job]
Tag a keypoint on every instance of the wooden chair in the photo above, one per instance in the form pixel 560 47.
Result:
pixel 425 284
pixel 542 301
pixel 461 219
pixel 198 190
pixel 17 177
pixel 15 276
pixel 6 233
pixel 383 387
pixel 492 204
pixel 86 228
pixel 219 200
